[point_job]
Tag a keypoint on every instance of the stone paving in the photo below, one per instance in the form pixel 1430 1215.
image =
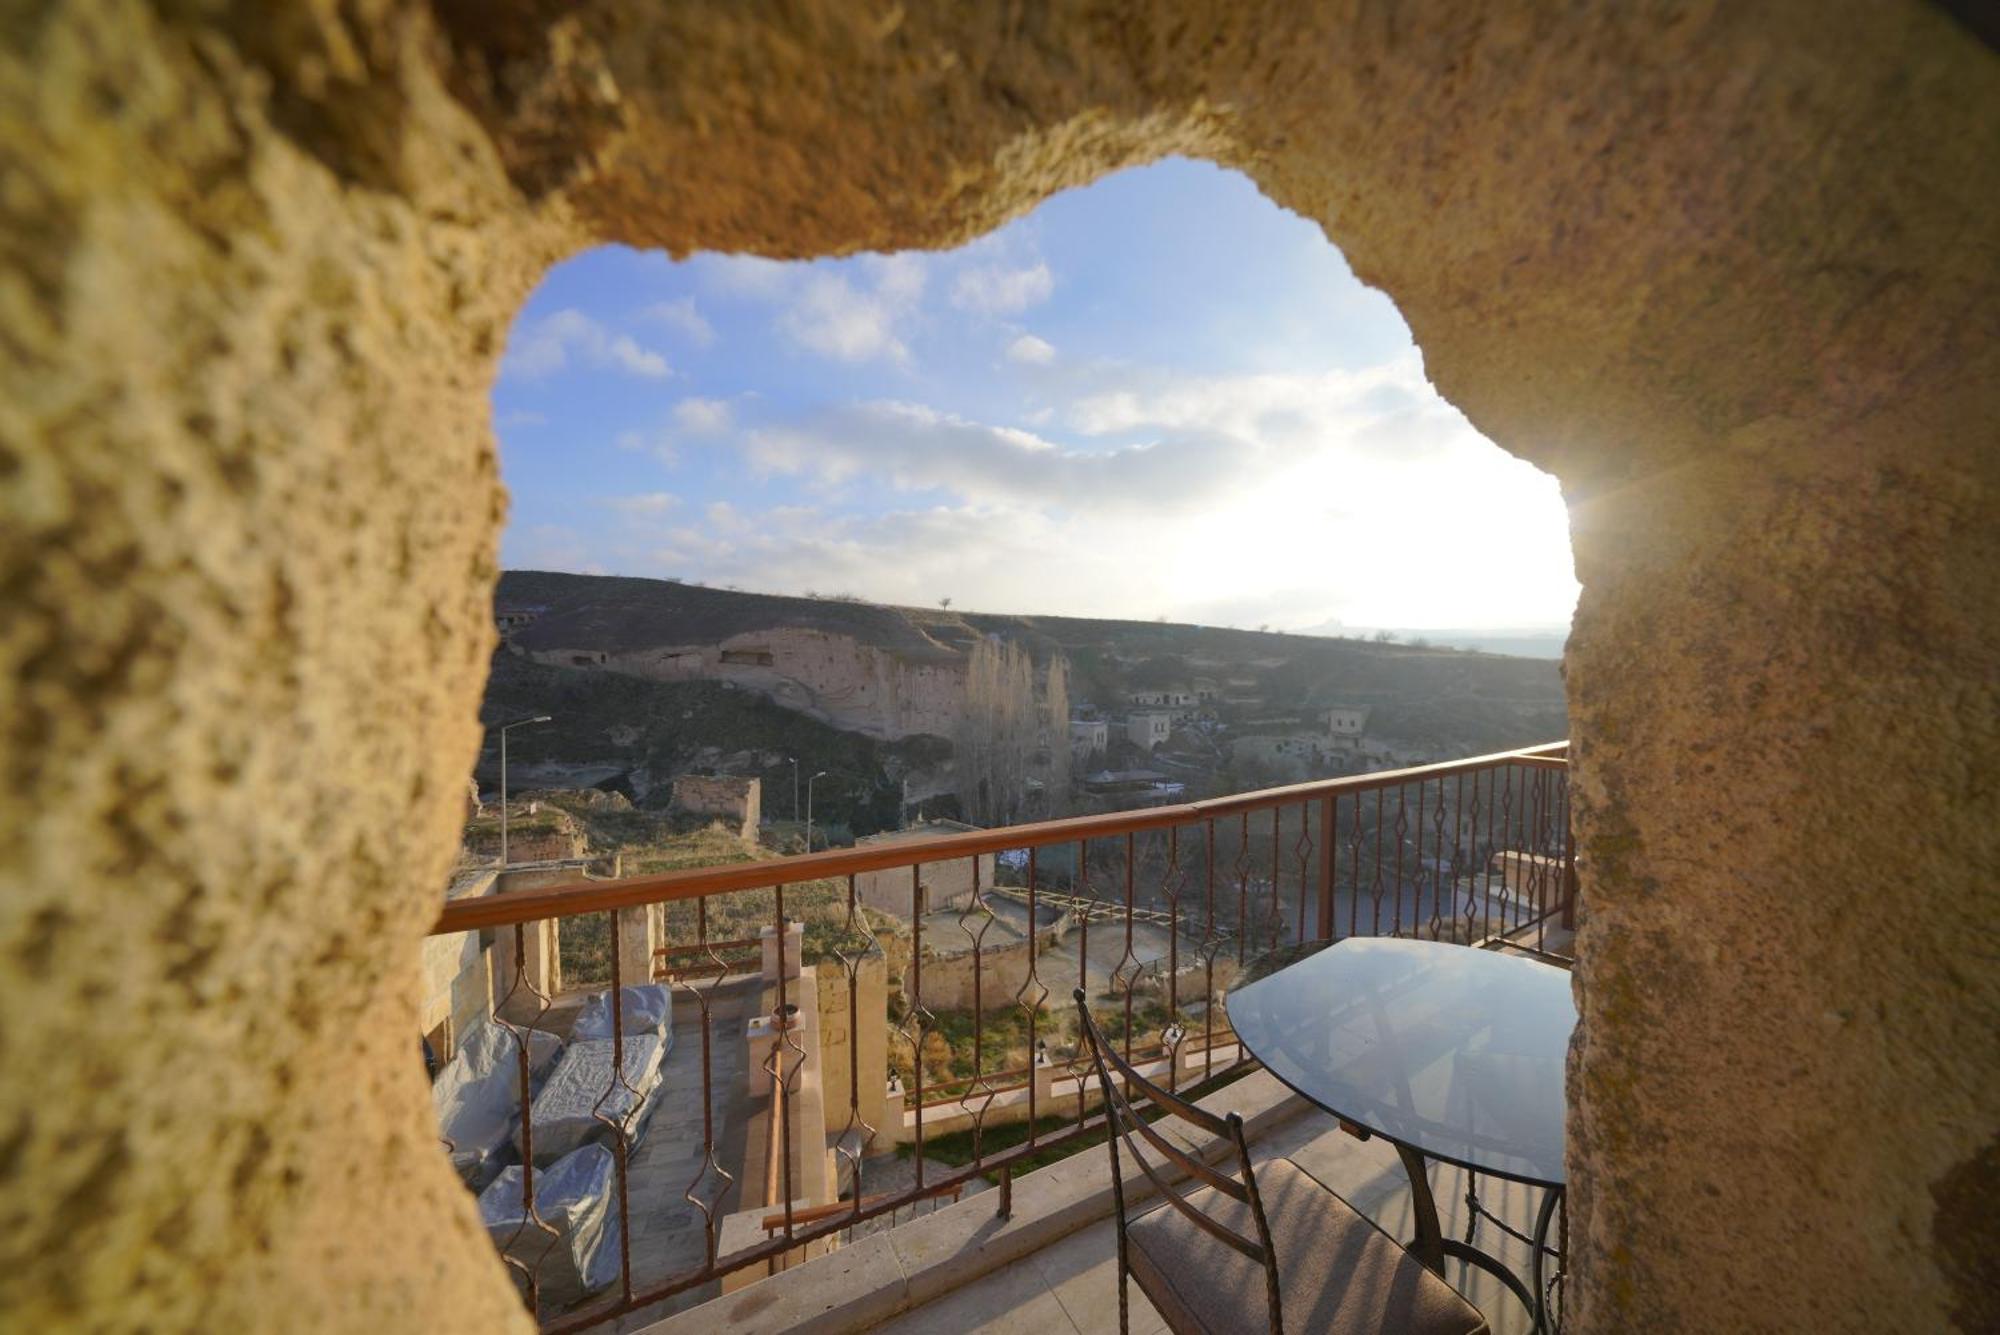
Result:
pixel 669 1233
pixel 1071 1287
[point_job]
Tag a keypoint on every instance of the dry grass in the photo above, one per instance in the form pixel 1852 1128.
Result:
pixel 821 905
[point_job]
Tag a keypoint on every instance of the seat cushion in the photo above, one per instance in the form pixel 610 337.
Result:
pixel 1337 1272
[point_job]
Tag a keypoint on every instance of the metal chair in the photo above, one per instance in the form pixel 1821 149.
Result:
pixel 1291 1248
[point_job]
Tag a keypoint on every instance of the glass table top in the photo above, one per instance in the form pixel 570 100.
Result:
pixel 1455 1052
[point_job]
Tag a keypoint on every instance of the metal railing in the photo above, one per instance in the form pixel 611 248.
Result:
pixel 1151 911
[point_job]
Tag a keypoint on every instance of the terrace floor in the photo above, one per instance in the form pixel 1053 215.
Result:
pixel 1064 1282
pixel 1072 1285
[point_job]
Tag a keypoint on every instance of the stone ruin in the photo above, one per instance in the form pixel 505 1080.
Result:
pixel 734 802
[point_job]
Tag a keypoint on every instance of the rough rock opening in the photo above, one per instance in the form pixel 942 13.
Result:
pixel 1727 272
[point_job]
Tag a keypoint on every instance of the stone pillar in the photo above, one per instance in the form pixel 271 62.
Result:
pixel 1779 860
pixel 795 940
pixel 528 960
pixel 760 1039
pixel 855 1041
pixel 638 937
pixel 1044 1075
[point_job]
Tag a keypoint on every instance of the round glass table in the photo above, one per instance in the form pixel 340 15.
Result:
pixel 1445 1051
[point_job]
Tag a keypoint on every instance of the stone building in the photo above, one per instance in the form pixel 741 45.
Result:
pixel 1088 737
pixel 511 617
pixel 1346 725
pixel 735 802
pixel 1148 727
pixel 950 884
pixel 536 832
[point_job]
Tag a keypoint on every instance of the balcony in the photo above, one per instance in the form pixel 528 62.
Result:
pixel 846 1087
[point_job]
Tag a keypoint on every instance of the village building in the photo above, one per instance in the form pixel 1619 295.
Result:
pixel 1345 725
pixel 1292 755
pixel 1148 727
pixel 1088 737
pixel 510 617
pixel 951 884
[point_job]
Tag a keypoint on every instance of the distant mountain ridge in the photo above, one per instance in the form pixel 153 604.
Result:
pixel 1454 699
pixel 626 612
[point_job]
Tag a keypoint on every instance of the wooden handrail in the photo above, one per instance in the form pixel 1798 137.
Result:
pixel 506 909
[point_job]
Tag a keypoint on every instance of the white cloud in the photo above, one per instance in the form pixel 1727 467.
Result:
pixel 683 315
pixel 909 447
pixel 549 345
pixel 659 444
pixel 645 503
pixel 1390 409
pixel 746 276
pixel 992 290
pixel 702 417
pixel 1031 351
pixel 520 417
pixel 835 318
pixel 898 278
pixel 551 547
pixel 1244 492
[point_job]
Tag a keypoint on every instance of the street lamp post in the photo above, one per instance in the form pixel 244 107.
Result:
pixel 505 728
pixel 809 808
pixel 795 786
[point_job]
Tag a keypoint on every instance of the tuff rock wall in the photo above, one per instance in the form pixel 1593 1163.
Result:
pixel 1728 270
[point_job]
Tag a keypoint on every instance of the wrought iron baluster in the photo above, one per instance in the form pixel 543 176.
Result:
pixel 624 1098
pixel 1171 886
pixel 1302 853
pixel 857 1135
pixel 527 1274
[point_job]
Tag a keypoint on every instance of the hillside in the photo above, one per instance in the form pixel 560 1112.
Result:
pixel 1445 699
pixel 634 735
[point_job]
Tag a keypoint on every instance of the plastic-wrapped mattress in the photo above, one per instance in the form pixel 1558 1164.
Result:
pixel 582 1100
pixel 478 1093
pixel 646 1008
pixel 576 1254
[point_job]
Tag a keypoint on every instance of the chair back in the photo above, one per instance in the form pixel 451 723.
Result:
pixel 1123 1086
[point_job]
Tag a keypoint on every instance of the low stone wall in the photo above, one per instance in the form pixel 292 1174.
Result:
pixel 536 832
pixel 1002 972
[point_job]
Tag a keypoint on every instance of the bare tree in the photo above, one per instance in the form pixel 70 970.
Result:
pixel 945 603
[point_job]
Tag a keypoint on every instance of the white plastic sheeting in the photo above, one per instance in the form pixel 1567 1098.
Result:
pixel 572 1197
pixel 645 1008
pixel 478 1093
pixel 582 1098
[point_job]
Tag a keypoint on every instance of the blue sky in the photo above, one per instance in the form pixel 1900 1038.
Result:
pixel 1160 395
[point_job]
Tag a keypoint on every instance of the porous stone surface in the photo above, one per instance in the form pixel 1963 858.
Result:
pixel 257 268
pixel 1728 270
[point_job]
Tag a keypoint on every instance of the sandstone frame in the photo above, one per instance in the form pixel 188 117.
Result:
pixel 1728 270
